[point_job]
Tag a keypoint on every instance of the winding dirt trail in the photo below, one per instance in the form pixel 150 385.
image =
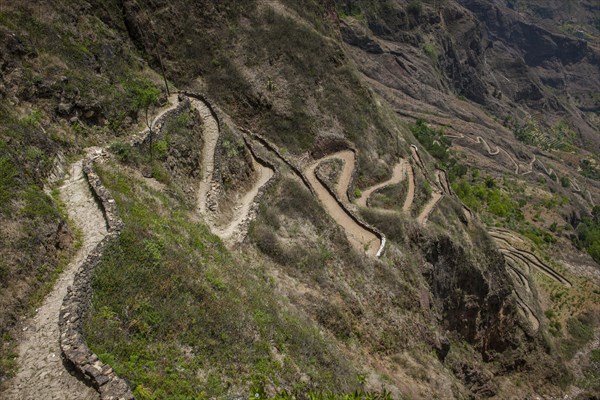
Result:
pixel 211 137
pixel 491 152
pixel 242 209
pixel 361 238
pixel 531 259
pixel 444 182
pixel 410 195
pixel 417 157
pixel 429 206
pixel 480 140
pixel 436 195
pixel 349 159
pixel 41 372
pixel 521 280
pixel 398 175
pixel 233 230
pixel 533 320
pixel 505 240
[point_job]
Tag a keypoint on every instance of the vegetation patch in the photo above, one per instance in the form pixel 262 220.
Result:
pixel 180 317
pixel 588 234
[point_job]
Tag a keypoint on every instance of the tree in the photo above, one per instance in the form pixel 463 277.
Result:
pixel 596 214
pixel 146 95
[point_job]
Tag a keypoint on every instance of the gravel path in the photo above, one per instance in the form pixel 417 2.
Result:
pixel 242 209
pixel 211 137
pixel 41 373
pixel 360 238
pixel 410 196
pixel 428 208
pixel 398 175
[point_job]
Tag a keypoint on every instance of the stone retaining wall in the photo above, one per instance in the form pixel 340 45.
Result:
pixel 297 170
pixel 289 163
pixel 217 177
pixel 354 217
pixel 77 302
pixel 159 124
pixel 261 191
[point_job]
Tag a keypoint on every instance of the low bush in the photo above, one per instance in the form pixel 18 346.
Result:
pixel 588 234
pixel 180 317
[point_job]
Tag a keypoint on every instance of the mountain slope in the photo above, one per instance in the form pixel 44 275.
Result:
pixel 484 287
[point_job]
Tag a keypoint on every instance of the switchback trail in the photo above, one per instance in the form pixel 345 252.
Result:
pixel 211 137
pixel 361 238
pixel 242 209
pixel 505 241
pixel 398 175
pixel 429 206
pixel 436 195
pixel 41 372
pixel 349 163
pixel 489 150
pixel 410 195
pixel 205 206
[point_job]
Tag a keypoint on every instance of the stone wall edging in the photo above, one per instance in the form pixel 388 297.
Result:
pixel 253 211
pixel 297 170
pixel 217 177
pixel 77 301
pixel 271 147
pixel 158 124
pixel 352 215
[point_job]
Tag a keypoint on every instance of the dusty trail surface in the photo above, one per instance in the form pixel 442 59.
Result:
pixel 343 183
pixel 244 205
pixel 417 157
pixel 505 240
pixel 360 238
pixel 435 198
pixel 398 175
pixel 410 196
pixel 211 137
pixel 444 181
pixel 41 373
pixel 242 210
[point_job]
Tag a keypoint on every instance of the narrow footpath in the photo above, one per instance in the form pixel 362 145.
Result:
pixel 41 372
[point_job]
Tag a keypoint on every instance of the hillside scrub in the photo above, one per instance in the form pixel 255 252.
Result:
pixel 588 234
pixel 35 240
pixel 158 316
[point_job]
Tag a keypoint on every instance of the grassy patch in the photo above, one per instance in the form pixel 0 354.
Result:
pixel 590 170
pixel 588 234
pixel 180 317
pixel 580 331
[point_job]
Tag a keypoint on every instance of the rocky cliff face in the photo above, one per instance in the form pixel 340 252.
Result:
pixel 488 53
pixel 441 313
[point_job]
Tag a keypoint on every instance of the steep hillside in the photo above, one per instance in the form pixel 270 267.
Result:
pixel 395 198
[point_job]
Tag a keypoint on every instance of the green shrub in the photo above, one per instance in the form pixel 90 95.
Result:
pixel 433 140
pixel 8 182
pixel 580 329
pixel 180 317
pixel 38 205
pixel 589 170
pixel 431 51
pixel 595 356
pixel 588 234
pixel 161 149
pixel 123 151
